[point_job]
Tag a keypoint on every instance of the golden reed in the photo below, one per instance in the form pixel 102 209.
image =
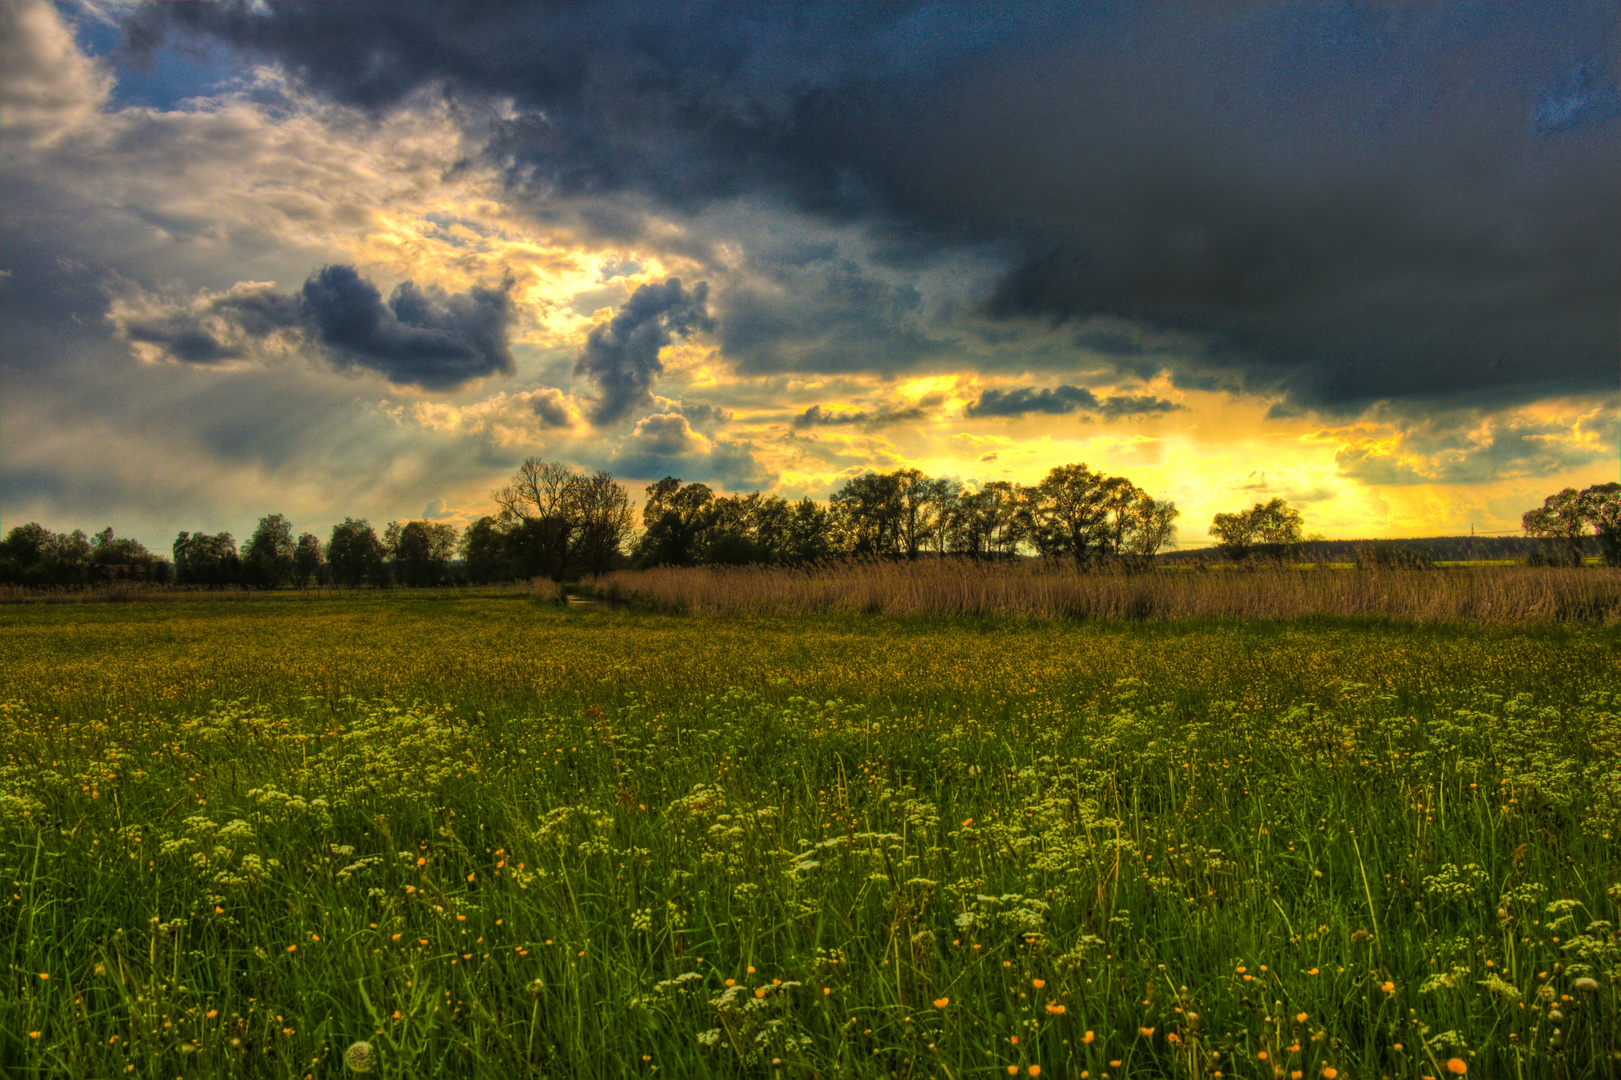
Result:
pixel 1503 595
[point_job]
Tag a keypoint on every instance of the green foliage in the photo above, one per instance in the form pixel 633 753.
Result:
pixel 1266 529
pixel 1564 518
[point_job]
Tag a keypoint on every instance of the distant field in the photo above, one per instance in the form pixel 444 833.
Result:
pixel 494 837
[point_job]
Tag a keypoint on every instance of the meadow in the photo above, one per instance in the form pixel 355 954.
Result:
pixel 493 836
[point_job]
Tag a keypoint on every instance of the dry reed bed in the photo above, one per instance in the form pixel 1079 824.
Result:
pixel 1498 595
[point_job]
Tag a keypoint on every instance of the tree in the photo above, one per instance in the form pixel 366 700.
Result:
pixel 1561 523
pixel 1069 513
pixel 809 534
pixel 308 561
pixel 1563 520
pixel 913 492
pixel 1269 528
pixel 420 551
pixel 548 509
pixel 114 558
pixel 201 559
pixel 1155 526
pixel 24 555
pixel 605 522
pixel 672 521
pixel 1602 506
pixel 868 510
pixel 486 553
pixel 268 561
pixel 355 554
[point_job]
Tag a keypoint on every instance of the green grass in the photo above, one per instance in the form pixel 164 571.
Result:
pixel 491 837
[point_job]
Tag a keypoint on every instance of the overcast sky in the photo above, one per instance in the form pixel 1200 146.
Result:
pixel 362 259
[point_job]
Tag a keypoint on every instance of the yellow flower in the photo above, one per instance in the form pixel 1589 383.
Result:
pixel 1146 1033
pixel 1038 983
pixel 1388 987
pixel 1300 1018
pixel 1088 1037
pixel 940 1003
pixel 1059 1010
pixel 1457 1067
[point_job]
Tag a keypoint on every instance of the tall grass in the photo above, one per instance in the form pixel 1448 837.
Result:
pixel 1501 595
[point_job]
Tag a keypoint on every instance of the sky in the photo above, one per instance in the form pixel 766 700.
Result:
pixel 357 259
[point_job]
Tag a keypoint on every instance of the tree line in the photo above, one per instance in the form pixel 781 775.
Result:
pixel 555 521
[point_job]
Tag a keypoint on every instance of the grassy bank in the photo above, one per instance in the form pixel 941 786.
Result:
pixel 494 837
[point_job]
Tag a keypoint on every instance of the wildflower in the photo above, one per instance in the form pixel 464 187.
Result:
pixel 1300 1018
pixel 1088 1037
pixel 360 1057
pixel 1585 985
pixel 939 1003
pixel 1456 1066
pixel 1038 983
pixel 1035 1070
pixel 1013 1070
pixel 1058 1010
pixel 45 975
pixel 34 1034
pixel 1330 1072
pixel 1388 987
pixel 1146 1033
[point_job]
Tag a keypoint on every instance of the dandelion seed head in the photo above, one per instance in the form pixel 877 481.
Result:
pixel 360 1057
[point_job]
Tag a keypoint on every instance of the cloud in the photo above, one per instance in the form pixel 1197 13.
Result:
pixel 552 408
pixel 1027 399
pixel 1319 194
pixel 667 435
pixel 622 355
pixel 1136 405
pixel 423 336
pixel 665 444
pixel 48 88
pixel 884 415
pixel 1062 400
pixel 1479 449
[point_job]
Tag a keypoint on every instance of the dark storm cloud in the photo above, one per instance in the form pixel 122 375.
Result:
pixel 816 416
pixel 1027 399
pixel 1345 203
pixel 1136 405
pixel 1062 400
pixel 622 355
pixel 421 336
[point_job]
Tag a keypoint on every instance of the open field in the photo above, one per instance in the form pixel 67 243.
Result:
pixel 493 837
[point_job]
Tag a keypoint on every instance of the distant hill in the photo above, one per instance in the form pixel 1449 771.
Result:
pixel 1438 548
